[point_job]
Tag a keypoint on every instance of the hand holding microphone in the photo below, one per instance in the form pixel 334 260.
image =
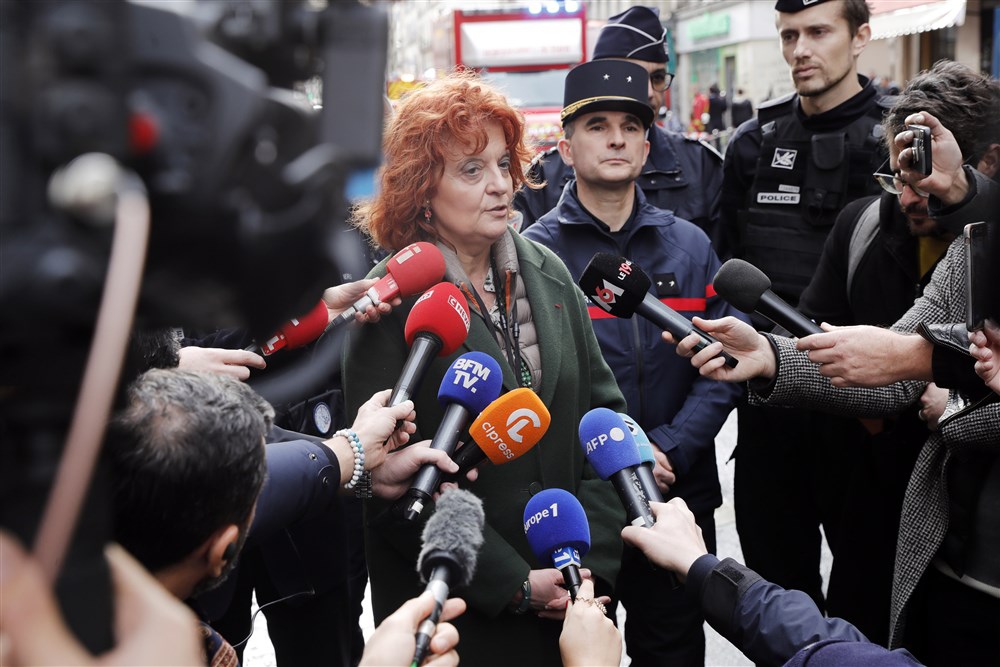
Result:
pixel 675 542
pixel 558 531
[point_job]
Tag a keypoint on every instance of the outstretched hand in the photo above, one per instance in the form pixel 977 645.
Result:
pixel 674 542
pixel 377 430
pixel 393 643
pixel 738 339
pixel 947 180
pixel 341 297
pixel 589 638
pixel 985 347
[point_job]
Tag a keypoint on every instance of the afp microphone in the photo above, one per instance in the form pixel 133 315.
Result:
pixel 621 288
pixel 297 332
pixel 437 325
pixel 506 429
pixel 610 448
pixel 451 542
pixel 471 383
pixel 557 530
pixel 644 472
pixel 410 271
pixel 748 289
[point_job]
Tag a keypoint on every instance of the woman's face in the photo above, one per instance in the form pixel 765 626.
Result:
pixel 471 207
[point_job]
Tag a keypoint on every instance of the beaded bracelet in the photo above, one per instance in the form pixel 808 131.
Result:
pixel 359 455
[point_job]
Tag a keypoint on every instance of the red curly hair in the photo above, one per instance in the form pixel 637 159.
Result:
pixel 460 106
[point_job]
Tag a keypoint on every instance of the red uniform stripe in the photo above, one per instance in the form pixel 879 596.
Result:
pixel 678 304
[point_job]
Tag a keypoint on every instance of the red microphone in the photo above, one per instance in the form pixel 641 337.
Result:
pixel 411 270
pixel 436 326
pixel 297 332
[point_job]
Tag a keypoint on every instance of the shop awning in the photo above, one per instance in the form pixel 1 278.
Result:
pixel 892 18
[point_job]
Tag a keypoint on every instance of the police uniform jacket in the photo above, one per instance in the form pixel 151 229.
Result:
pixel 680 411
pixel 575 379
pixel 680 175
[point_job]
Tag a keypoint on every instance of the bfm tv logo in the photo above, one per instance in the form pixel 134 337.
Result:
pixel 516 422
pixel 608 294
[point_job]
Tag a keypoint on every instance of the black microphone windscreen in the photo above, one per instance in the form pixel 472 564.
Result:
pixel 741 284
pixel 614 283
pixel 455 527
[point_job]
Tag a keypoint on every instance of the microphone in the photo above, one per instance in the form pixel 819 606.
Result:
pixel 451 542
pixel 610 448
pixel 557 530
pixel 471 383
pixel 437 325
pixel 621 288
pixel 506 429
pixel 748 289
pixel 644 472
pixel 297 332
pixel 410 271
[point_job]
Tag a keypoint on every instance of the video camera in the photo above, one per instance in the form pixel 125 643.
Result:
pixel 245 184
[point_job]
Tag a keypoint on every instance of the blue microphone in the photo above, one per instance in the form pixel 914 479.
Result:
pixel 472 382
pixel 609 446
pixel 645 471
pixel 557 530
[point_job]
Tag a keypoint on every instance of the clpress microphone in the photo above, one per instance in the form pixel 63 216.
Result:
pixel 557 530
pixel 611 449
pixel 451 542
pixel 507 428
pixel 471 383
pixel 437 324
pixel 645 471
pixel 410 271
pixel 621 288
pixel 748 289
pixel 297 332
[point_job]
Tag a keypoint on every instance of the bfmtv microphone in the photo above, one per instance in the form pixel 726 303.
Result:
pixel 557 530
pixel 621 288
pixel 748 289
pixel 470 384
pixel 451 542
pixel 437 324
pixel 611 449
pixel 506 429
pixel 410 271
pixel 645 471
pixel 297 332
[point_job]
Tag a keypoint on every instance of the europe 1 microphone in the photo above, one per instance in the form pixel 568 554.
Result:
pixel 437 325
pixel 410 271
pixel 644 472
pixel 748 289
pixel 558 531
pixel 621 288
pixel 472 382
pixel 452 538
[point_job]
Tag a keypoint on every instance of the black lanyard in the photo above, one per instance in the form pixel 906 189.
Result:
pixel 509 330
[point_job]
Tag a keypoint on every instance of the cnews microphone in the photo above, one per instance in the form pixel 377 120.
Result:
pixel 451 542
pixel 610 448
pixel 748 289
pixel 410 271
pixel 621 288
pixel 471 383
pixel 507 428
pixel 437 324
pixel 557 530
pixel 297 332
pixel 645 471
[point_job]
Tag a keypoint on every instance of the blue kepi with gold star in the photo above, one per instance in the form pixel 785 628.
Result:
pixel 607 85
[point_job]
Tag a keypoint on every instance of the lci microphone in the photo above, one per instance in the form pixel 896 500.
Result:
pixel 410 271
pixel 621 288
pixel 557 530
pixel 297 332
pixel 471 383
pixel 610 448
pixel 506 429
pixel 645 471
pixel 437 325
pixel 748 289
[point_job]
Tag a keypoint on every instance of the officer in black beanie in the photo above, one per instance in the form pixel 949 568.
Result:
pixel 681 174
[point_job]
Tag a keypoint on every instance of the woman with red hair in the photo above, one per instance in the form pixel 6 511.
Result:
pixel 455 153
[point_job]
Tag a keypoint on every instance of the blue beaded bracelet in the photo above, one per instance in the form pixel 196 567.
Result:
pixel 359 455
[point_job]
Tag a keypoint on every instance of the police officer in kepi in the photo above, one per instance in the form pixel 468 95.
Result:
pixel 787 175
pixel 681 175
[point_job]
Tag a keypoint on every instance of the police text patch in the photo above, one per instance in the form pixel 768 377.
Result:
pixel 777 198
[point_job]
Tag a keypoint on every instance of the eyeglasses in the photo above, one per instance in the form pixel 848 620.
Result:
pixel 893 184
pixel 661 80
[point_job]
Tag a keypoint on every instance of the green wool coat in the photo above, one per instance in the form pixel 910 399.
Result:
pixel 575 379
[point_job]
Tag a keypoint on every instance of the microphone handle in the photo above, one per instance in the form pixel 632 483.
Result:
pixel 648 483
pixel 572 580
pixel 636 504
pixel 425 347
pixel 468 457
pixel 439 585
pixel 779 311
pixel 679 326
pixel 425 483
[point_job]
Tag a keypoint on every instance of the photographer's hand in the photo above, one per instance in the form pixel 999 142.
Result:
pixel 947 180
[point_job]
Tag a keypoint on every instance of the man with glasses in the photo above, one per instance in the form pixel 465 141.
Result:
pixel 681 175
pixel 879 256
